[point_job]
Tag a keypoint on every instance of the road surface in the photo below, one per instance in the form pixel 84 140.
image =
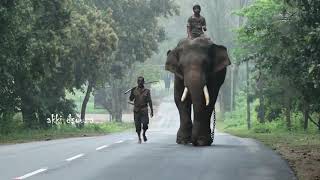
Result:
pixel 119 157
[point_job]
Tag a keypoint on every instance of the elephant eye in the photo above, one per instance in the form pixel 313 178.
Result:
pixel 208 65
pixel 206 62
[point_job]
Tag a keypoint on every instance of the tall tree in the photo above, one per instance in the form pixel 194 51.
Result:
pixel 279 46
pixel 93 40
pixel 139 34
pixel 33 54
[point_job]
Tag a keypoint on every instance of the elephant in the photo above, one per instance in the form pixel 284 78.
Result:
pixel 199 67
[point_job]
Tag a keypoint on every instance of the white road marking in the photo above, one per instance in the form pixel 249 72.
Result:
pixel 118 142
pixel 101 147
pixel 75 157
pixel 32 173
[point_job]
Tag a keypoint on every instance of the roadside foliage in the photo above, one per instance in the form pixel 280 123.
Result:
pixel 280 40
pixel 50 48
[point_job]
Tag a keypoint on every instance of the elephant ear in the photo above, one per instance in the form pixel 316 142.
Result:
pixel 172 63
pixel 220 57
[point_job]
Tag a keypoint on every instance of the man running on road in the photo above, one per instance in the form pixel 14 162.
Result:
pixel 141 97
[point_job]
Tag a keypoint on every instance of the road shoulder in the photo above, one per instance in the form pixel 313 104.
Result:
pixel 300 150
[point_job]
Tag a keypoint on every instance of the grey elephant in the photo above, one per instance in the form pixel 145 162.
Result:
pixel 200 68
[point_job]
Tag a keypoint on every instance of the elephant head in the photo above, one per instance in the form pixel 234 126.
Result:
pixel 196 62
pixel 197 65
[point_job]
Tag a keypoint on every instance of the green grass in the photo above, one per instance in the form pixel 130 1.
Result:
pixel 91 110
pixel 301 149
pixel 78 99
pixel 291 138
pixel 63 131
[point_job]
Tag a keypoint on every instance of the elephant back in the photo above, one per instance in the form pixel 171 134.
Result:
pixel 199 41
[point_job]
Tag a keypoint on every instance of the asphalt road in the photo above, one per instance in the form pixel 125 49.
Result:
pixel 120 157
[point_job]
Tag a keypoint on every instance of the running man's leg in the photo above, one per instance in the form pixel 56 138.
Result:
pixel 145 123
pixel 145 128
pixel 137 122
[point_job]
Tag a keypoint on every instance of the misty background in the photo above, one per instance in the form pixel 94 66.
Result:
pixel 76 57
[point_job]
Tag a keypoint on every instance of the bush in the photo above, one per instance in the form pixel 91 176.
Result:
pixel 238 117
pixel 261 128
pixel 62 131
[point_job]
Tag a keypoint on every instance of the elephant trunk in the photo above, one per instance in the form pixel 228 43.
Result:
pixel 196 87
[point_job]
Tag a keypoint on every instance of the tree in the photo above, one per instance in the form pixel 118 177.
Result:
pixel 275 42
pixel 33 57
pixel 93 40
pixel 139 35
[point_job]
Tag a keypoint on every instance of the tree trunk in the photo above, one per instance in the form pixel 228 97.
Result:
pixel 319 122
pixel 85 102
pixel 261 110
pixel 288 114
pixel 243 4
pixel 235 80
pixel 306 116
pixel 232 88
pixel 6 124
pixel 248 96
pixel 117 101
pixel 28 114
pixel 43 120
pixel 221 106
pixel 115 113
pixel 226 92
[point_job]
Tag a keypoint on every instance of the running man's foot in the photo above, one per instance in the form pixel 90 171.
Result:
pixel 139 141
pixel 145 138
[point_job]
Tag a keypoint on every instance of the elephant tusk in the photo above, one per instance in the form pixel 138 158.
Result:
pixel 184 95
pixel 206 95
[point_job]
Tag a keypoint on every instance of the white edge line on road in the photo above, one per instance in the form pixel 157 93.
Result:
pixel 74 157
pixel 32 173
pixel 101 147
pixel 118 142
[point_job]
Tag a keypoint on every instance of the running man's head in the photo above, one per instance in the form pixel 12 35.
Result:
pixel 140 81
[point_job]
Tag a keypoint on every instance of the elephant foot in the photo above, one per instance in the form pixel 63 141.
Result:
pixel 202 141
pixel 183 140
pixel 183 136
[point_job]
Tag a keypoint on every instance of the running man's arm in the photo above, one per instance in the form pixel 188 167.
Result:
pixel 131 98
pixel 150 103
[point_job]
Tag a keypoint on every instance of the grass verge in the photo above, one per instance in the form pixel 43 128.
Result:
pixel 63 131
pixel 300 149
pixel 78 99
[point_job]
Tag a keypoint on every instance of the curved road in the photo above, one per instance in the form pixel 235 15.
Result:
pixel 119 157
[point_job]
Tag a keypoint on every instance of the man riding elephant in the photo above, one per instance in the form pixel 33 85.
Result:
pixel 196 23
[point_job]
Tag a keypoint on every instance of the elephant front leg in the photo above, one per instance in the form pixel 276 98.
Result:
pixel 201 132
pixel 185 129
